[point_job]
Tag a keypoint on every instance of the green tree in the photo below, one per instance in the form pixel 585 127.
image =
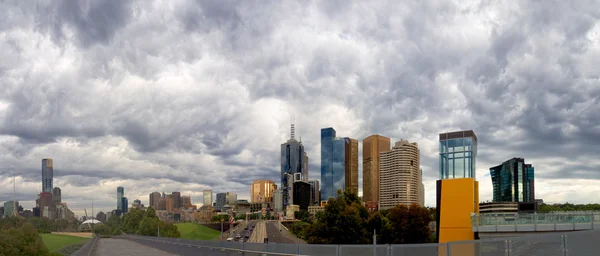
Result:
pixel 131 220
pixel 168 230
pixel 148 227
pixel 22 241
pixel 410 224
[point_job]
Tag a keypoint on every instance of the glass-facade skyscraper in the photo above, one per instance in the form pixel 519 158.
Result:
pixel 513 181
pixel 293 160
pixel 47 175
pixel 120 194
pixel 458 154
pixel 333 157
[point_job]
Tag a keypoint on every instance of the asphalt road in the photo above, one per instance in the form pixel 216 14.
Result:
pixel 169 247
pixel 240 230
pixel 110 247
pixel 274 235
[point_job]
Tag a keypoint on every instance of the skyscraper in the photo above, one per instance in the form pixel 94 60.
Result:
pixel 262 191
pixel 315 192
pixel 177 202
pixel 333 158
pixel 513 181
pixel 125 206
pixel 120 194
pixel 422 190
pixel 399 175
pixel 372 146
pixel 154 200
pixel 458 152
pixel 221 201
pixel 207 197
pixel 56 196
pixel 293 160
pixel 47 175
pixel 351 165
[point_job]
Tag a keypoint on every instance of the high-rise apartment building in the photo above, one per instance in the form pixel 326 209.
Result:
pixel 277 200
pixel 207 198
pixel 154 200
pixel 170 203
pixel 293 160
pixel 10 207
pixel 315 192
pixel 47 175
pixel 45 203
pixel 372 147
pixel 399 175
pixel 458 152
pixel 120 194
pixel 261 191
pixel 513 181
pixel 230 198
pixel 333 161
pixel 351 165
pixel 125 206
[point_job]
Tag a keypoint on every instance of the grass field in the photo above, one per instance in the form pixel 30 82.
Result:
pixel 55 242
pixel 195 231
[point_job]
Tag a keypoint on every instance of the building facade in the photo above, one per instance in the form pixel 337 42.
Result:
pixel 302 194
pixel 45 203
pixel 315 192
pixel 513 181
pixel 333 160
pixel 207 197
pixel 10 207
pixel 293 160
pixel 154 200
pixel 458 153
pixel 56 196
pixel 261 191
pixel 221 201
pixel 277 200
pixel 400 175
pixel 177 202
pixel 120 194
pixel 351 165
pixel 47 175
pixel 372 147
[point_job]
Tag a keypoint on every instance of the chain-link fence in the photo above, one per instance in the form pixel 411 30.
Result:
pixel 553 244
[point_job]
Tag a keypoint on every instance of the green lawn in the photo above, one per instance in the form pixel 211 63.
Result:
pixel 55 242
pixel 195 231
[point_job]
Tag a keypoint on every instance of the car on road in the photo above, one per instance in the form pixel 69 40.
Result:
pixel 238 236
pixel 230 239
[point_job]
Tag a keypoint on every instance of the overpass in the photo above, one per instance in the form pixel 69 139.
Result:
pixel 491 225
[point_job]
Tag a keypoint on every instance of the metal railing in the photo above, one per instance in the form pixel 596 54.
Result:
pixel 562 221
pixel 554 244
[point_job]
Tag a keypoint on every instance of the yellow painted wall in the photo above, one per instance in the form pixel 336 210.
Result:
pixel 460 198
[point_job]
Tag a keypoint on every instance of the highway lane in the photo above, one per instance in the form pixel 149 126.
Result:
pixel 274 235
pixel 111 247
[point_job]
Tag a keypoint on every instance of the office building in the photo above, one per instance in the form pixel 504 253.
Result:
pixel 351 165
pixel 120 194
pixel 125 207
pixel 207 197
pixel 221 201
pixel 262 191
pixel 231 198
pixel 302 194
pixel 162 204
pixel 56 196
pixel 333 158
pixel 10 208
pixel 287 193
pixel 47 175
pixel 46 206
pixel 372 147
pixel 513 181
pixel 422 190
pixel 293 160
pixel 399 175
pixel 177 202
pixel 315 192
pixel 154 200
pixel 186 202
pixel 458 152
pixel 277 200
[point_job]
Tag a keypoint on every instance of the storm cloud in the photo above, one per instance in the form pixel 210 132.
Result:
pixel 192 95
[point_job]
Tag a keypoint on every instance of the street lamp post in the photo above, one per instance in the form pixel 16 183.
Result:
pixel 221 228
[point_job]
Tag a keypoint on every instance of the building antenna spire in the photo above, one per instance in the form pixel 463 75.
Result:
pixel 293 132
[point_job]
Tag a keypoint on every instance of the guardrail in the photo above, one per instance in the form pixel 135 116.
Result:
pixel 572 243
pixel 88 248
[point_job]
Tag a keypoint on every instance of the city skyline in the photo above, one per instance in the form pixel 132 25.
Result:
pixel 211 109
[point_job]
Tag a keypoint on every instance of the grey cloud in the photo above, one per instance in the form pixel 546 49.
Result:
pixel 92 21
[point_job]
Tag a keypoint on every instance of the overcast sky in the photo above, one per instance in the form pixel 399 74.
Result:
pixel 193 95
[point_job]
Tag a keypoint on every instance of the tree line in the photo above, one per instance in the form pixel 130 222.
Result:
pixel 347 221
pixel 567 207
pixel 18 236
pixel 139 222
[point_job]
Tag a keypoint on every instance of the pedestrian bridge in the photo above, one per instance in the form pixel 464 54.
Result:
pixel 540 222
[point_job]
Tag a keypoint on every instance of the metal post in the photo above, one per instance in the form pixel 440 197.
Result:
pixel 374 242
pixel 159 228
pixel 507 245
pixel 221 229
pixel 564 245
pixel 448 251
pixel 338 250
pixel 389 250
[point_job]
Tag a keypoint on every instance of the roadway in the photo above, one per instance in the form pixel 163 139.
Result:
pixel 111 246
